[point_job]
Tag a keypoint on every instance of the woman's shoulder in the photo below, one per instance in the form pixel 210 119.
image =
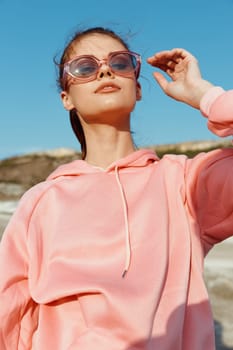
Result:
pixel 200 161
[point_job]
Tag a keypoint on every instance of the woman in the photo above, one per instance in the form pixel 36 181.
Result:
pixel 108 252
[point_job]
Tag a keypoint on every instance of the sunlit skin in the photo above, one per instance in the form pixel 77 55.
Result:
pixel 104 105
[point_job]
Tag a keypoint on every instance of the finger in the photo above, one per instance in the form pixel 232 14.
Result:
pixel 171 65
pixel 181 54
pixel 163 67
pixel 168 68
pixel 175 55
pixel 161 80
pixel 162 56
pixel 178 52
pixel 162 61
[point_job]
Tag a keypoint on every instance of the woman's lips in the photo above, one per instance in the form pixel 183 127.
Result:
pixel 107 87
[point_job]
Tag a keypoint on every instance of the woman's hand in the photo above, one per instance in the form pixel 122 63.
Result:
pixel 186 83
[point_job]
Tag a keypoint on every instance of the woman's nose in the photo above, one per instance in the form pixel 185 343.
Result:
pixel 105 72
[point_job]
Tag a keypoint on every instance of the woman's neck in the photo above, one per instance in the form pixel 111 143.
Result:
pixel 106 144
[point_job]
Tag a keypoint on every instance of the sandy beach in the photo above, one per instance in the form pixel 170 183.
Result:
pixel 6 210
pixel 219 279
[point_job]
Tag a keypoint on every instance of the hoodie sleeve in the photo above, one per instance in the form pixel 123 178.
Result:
pixel 217 106
pixel 18 312
pixel 210 175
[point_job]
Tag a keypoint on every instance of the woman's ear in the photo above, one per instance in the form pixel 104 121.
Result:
pixel 138 91
pixel 66 100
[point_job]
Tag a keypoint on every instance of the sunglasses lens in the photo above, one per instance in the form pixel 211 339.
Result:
pixel 123 63
pixel 86 67
pixel 83 67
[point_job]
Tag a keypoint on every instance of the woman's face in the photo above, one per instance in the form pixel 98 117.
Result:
pixel 109 98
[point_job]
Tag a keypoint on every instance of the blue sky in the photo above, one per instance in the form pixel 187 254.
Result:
pixel 32 32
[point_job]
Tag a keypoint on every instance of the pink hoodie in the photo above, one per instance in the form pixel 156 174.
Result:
pixel 113 259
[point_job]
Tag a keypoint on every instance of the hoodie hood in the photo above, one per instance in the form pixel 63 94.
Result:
pixel 140 158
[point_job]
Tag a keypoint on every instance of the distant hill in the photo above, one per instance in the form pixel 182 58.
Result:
pixel 17 174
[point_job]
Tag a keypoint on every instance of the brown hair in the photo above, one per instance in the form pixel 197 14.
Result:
pixel 74 119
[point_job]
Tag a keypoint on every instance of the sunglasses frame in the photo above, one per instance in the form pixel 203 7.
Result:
pixel 66 69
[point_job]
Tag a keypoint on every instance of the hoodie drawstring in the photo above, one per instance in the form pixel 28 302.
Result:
pixel 127 233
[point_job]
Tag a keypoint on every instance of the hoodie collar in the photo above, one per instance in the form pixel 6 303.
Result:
pixel 139 158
